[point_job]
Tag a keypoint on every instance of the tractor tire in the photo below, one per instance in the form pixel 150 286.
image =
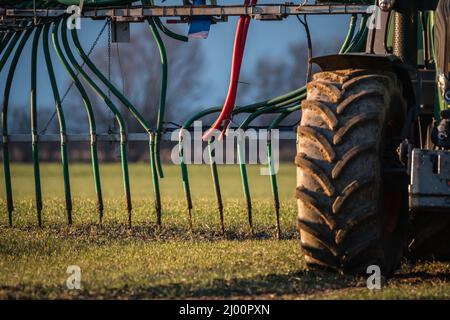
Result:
pixel 342 194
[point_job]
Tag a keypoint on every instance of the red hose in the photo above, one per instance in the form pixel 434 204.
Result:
pixel 238 53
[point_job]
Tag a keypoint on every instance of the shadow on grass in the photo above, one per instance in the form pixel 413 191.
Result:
pixel 267 287
pixel 151 232
pixel 420 276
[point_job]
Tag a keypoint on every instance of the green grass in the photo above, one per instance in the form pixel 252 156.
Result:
pixel 147 262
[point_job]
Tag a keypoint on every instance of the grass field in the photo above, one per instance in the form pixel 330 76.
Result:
pixel 145 262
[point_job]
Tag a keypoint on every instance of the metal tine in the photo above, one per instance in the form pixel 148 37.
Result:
pixel 128 105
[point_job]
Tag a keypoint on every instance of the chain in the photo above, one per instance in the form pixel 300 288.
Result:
pixel 109 56
pixel 121 68
pixel 111 128
pixel 91 49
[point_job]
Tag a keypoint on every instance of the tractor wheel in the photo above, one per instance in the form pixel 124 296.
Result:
pixel 350 215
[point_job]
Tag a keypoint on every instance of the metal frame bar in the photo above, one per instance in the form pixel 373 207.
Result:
pixel 139 13
pixel 105 137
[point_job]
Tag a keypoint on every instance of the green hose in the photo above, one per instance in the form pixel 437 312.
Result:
pixel 350 34
pixel 163 93
pixel 9 49
pixel 169 32
pixel 185 178
pixel 272 175
pixel 359 40
pixel 155 24
pixel 91 120
pixel 244 178
pixel 119 118
pixel 163 28
pixel 241 160
pixel 5 41
pixel 62 122
pixel 277 102
pixel 34 132
pixel 351 44
pixel 141 120
pixel 6 95
pixel 155 179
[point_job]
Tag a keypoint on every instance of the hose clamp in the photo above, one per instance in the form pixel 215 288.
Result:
pixel 34 137
pixel 93 138
pixel 123 138
pixel 181 135
pixel 63 138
